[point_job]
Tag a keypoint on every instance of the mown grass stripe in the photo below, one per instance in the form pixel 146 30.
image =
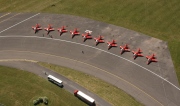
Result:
pixel 20 88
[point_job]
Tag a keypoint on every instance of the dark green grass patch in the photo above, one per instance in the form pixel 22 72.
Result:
pixel 20 88
pixel 174 46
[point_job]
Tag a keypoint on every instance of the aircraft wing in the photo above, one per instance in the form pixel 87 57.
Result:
pixel 140 55
pixel 46 29
pixel 113 44
pixel 76 33
pixel 127 50
pixel 51 29
pixel 153 57
pixel 88 37
pixel 39 28
pixel 147 57
pixel 121 47
pixel 133 52
pixel 64 30
pixel 101 41
pixel 154 60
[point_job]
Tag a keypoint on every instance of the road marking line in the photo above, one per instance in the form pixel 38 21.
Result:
pixel 6 60
pixel 85 64
pixel 102 51
pixel 10 17
pixel 19 22
pixel 4 15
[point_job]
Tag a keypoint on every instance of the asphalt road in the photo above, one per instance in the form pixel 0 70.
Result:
pixel 69 85
pixel 153 85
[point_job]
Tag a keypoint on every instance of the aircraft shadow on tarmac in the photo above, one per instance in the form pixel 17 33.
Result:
pixel 37 31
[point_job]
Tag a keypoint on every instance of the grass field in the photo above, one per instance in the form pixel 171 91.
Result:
pixel 20 88
pixel 99 87
pixel 157 18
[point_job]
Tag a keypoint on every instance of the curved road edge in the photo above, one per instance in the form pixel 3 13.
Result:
pixel 33 67
pixel 134 91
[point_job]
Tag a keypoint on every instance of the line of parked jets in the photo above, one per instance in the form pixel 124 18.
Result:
pixel 98 40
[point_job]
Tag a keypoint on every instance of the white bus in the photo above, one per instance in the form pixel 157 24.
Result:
pixel 55 80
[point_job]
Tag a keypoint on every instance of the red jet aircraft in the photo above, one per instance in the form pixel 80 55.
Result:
pixel 49 29
pixel 75 32
pixel 86 36
pixel 62 30
pixel 99 40
pixel 137 53
pixel 111 44
pixel 124 48
pixel 36 28
pixel 151 58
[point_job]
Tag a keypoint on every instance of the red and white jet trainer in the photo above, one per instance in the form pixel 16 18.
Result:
pixel 111 44
pixel 36 28
pixel 62 30
pixel 99 40
pixel 124 48
pixel 75 32
pixel 137 53
pixel 151 58
pixel 86 36
pixel 49 29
